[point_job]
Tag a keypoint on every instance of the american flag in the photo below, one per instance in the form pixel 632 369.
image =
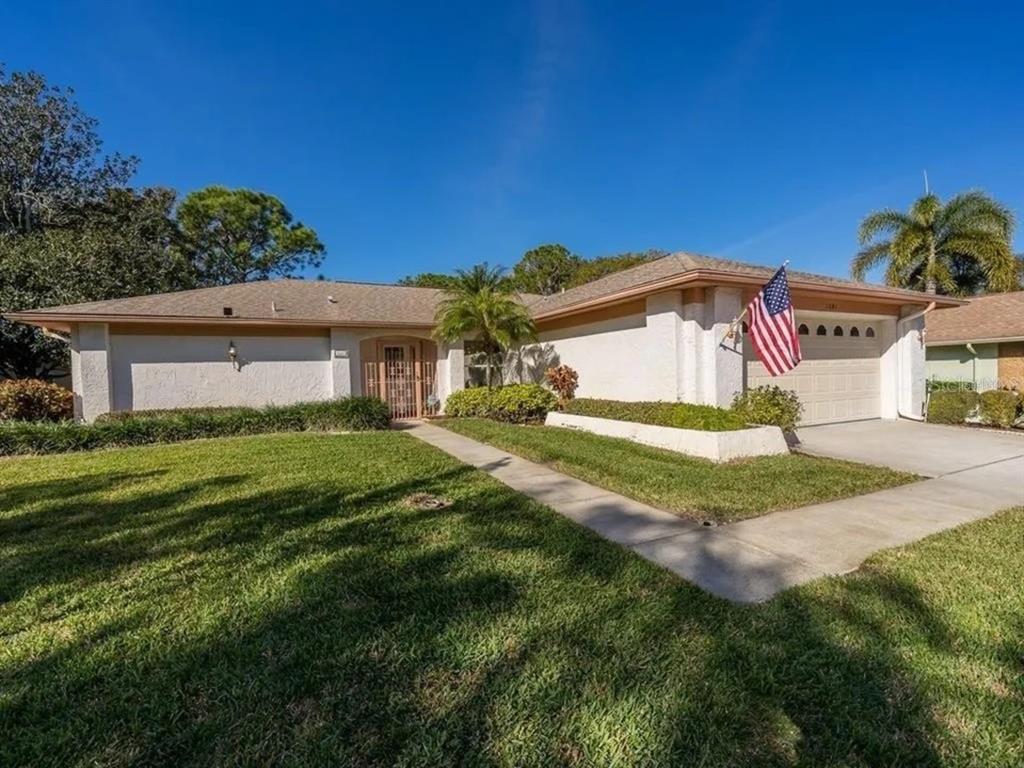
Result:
pixel 772 327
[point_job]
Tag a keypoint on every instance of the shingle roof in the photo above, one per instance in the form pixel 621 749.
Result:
pixel 997 316
pixel 318 301
pixel 678 264
pixel 346 303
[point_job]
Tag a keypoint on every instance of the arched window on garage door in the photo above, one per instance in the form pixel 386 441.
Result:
pixel 870 332
pixel 837 331
pixel 821 331
pixel 803 330
pixel 855 331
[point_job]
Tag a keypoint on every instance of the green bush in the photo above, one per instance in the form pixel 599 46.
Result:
pixel 769 405
pixel 522 403
pixel 680 415
pixel 34 400
pixel 951 407
pixel 517 403
pixel 147 427
pixel 1000 407
pixel 469 403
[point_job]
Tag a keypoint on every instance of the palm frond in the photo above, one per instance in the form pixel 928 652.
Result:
pixel 867 258
pixel 975 210
pixel 887 220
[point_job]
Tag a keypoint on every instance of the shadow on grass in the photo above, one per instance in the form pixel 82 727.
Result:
pixel 325 625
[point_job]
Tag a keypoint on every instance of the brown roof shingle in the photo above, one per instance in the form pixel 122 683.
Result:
pixel 323 302
pixel 316 301
pixel 678 264
pixel 997 316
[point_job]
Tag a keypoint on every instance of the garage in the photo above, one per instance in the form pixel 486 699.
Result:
pixel 839 377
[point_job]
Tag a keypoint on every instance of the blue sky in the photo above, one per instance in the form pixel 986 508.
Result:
pixel 417 136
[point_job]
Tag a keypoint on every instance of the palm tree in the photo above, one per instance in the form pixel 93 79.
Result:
pixel 480 304
pixel 960 247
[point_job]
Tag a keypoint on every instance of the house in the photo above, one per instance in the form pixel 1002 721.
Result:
pixel 981 342
pixel 653 332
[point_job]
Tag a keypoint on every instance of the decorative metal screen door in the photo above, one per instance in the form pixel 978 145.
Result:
pixel 400 381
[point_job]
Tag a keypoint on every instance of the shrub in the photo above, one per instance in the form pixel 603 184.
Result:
pixel 522 403
pixel 468 403
pixel 564 381
pixel 951 407
pixel 517 403
pixel 147 427
pixel 34 400
pixel 1000 407
pixel 769 405
pixel 680 415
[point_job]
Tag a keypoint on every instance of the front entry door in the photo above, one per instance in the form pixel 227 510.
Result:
pixel 400 380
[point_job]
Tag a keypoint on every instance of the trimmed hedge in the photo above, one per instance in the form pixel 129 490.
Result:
pixel 1000 407
pixel 145 428
pixel 34 400
pixel 951 407
pixel 679 415
pixel 516 403
pixel 769 405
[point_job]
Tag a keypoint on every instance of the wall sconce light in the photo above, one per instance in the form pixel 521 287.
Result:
pixel 233 354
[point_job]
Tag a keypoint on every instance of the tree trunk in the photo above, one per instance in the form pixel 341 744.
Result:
pixel 930 286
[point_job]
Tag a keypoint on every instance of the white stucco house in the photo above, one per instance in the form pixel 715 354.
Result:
pixel 653 332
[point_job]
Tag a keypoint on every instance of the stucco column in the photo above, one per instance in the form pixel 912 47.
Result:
pixel 451 369
pixel 721 360
pixel 911 363
pixel 690 342
pixel 90 370
pixel 346 366
pixel 665 357
pixel 888 372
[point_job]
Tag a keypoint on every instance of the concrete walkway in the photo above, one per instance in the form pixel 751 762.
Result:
pixel 753 560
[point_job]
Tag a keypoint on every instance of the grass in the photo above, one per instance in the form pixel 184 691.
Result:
pixel 270 600
pixel 689 486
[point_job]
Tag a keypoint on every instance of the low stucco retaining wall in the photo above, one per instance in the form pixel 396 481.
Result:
pixel 717 446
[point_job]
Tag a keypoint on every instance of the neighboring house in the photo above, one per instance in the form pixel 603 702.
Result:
pixel 981 342
pixel 653 332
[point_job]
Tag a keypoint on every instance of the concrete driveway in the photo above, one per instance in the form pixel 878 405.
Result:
pixel 930 450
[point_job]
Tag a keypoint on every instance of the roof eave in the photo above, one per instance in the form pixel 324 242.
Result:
pixel 64 320
pixel 719 277
pixel 960 342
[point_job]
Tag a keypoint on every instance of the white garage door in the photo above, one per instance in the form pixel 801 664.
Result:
pixel 838 379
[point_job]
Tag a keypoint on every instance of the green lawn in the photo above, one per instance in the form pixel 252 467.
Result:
pixel 270 600
pixel 689 486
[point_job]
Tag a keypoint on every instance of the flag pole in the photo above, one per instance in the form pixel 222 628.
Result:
pixel 731 333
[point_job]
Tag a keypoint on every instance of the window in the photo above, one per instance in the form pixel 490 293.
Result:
pixel 837 331
pixel 870 333
pixel 821 331
pixel 855 331
pixel 803 330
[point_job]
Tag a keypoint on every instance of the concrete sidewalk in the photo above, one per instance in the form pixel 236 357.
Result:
pixel 753 560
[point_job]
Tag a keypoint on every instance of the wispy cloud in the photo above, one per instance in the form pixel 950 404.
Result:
pixel 867 198
pixel 555 25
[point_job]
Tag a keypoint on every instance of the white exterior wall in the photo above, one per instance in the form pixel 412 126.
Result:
pixel 451 369
pixel 670 352
pixel 720 362
pixel 612 357
pixel 911 365
pixel 90 370
pixel 346 364
pixel 184 371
